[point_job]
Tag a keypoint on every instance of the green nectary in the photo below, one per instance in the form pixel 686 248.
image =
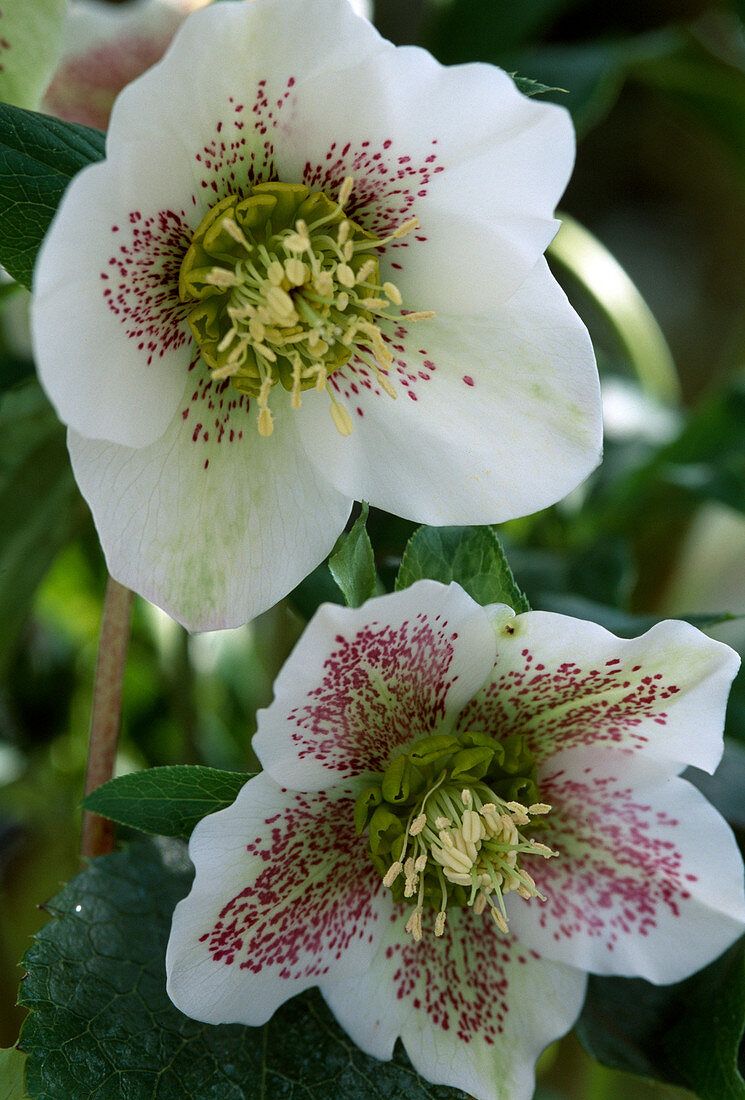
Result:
pixel 283 287
pixel 442 823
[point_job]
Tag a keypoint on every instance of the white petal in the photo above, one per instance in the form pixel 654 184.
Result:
pixel 212 522
pixel 565 682
pixel 474 1009
pixel 362 682
pixel 481 166
pixel 284 895
pixel 495 417
pixel 649 879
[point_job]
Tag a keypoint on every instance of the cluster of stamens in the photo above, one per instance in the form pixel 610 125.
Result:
pixel 473 843
pixel 445 828
pixel 286 288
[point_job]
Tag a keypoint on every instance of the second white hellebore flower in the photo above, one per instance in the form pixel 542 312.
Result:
pixel 462 812
pixel 309 271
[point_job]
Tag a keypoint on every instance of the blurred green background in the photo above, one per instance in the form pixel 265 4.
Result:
pixel 657 216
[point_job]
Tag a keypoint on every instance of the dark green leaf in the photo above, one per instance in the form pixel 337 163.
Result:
pixel 706 86
pixel 622 623
pixel 167 801
pixel 472 556
pixel 317 588
pixel 102 1028
pixel 40 507
pixel 533 87
pixel 592 72
pixel 352 563
pixel 471 30
pixel 687 1034
pixel 38 158
pixel 12 1064
pixel 13 370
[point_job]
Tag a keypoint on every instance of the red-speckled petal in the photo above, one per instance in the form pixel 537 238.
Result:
pixel 211 522
pixel 363 682
pixel 284 896
pixel 648 881
pixel 494 417
pixel 474 1008
pixel 566 682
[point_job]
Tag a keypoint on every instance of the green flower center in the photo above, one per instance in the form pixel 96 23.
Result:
pixel 285 288
pixel 447 823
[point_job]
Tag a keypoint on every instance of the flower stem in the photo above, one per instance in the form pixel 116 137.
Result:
pixel 98 832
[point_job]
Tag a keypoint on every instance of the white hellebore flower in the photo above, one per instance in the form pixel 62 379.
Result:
pixel 462 811
pixel 287 199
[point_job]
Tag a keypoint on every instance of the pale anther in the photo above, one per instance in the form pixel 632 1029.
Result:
pixel 218 276
pixel 440 922
pixel 346 190
pixel 392 293
pixel 405 227
pixel 365 271
pixel 266 422
pixel 499 920
pixel 392 873
pixel 345 275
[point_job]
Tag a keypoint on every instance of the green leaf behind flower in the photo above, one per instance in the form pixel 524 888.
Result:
pixel 687 1034
pixel 472 556
pixel 12 1064
pixel 38 158
pixel 352 562
pixel 167 801
pixel 530 87
pixel 101 1024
